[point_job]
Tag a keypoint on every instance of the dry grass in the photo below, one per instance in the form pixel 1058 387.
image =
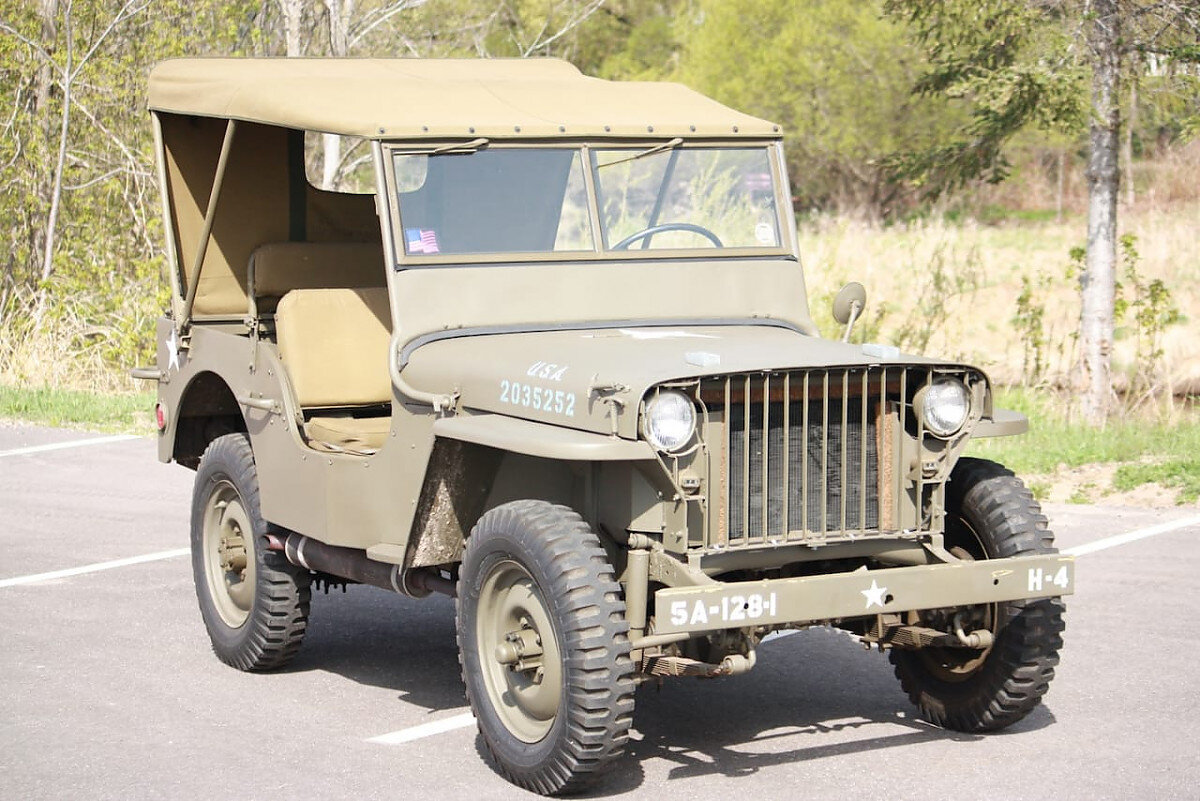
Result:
pixel 87 338
pixel 983 267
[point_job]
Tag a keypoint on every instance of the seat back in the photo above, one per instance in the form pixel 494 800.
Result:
pixel 335 343
pixel 279 267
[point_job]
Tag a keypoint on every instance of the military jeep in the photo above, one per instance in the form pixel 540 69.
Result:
pixel 557 362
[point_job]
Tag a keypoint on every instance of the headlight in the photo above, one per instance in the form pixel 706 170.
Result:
pixel 943 406
pixel 670 420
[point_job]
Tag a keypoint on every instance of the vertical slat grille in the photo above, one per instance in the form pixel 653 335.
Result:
pixel 802 455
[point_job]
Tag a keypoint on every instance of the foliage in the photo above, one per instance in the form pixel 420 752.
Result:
pixel 1150 309
pixel 834 74
pixel 1029 321
pixel 631 40
pixel 1011 62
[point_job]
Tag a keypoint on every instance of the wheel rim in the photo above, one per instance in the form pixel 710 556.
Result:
pixel 953 665
pixel 518 652
pixel 229 554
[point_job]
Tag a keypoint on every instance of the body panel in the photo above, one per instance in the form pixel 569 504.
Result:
pixel 536 439
pixel 591 365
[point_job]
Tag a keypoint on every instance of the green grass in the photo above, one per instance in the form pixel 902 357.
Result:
pixel 1054 440
pixel 1182 474
pixel 1151 449
pixel 68 408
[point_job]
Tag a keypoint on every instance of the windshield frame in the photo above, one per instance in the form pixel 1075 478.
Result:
pixel 600 251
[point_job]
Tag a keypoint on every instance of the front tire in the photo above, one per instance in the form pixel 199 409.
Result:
pixel 253 601
pixel 544 646
pixel 989 515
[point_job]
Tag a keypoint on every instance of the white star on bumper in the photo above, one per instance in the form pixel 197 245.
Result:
pixel 874 595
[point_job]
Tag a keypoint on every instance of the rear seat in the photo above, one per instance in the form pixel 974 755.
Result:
pixel 335 345
pixel 279 267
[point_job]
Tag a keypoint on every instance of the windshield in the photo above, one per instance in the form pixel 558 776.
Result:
pixel 686 198
pixel 529 200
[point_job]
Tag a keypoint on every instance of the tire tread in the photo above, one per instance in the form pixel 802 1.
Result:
pixel 278 621
pixel 1012 681
pixel 599 693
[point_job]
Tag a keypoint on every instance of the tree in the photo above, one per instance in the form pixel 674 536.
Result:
pixel 1098 283
pixel 834 74
pixel 1018 64
pixel 63 72
pixel 82 245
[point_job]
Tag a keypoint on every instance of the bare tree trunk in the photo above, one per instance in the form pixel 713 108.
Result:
pixel 340 12
pixel 293 18
pixel 43 85
pixel 1099 278
pixel 60 161
pixel 1127 138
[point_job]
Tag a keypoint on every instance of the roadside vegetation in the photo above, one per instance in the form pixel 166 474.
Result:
pixel 1151 458
pixel 981 263
pixel 119 413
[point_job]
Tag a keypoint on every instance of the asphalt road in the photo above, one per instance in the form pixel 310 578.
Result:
pixel 108 688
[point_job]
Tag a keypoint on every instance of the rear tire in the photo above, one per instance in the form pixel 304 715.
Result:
pixel 535 577
pixel 989 515
pixel 253 601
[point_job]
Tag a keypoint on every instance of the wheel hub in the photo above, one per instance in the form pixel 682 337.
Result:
pixel 522 651
pixel 523 675
pixel 228 561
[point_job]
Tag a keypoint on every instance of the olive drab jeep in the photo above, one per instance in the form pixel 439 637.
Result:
pixel 556 361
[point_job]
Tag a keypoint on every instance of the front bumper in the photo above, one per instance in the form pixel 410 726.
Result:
pixel 814 599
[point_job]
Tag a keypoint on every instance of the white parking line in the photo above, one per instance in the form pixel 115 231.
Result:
pixel 425 730
pixel 93 568
pixel 1132 536
pixel 75 443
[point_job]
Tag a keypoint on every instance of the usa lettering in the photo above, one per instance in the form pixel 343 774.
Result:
pixel 547 370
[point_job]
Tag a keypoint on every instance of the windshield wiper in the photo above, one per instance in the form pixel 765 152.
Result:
pixel 650 151
pixel 474 146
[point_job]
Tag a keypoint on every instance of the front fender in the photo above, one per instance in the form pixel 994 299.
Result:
pixel 541 439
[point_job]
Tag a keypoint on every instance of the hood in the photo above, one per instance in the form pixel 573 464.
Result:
pixel 574 378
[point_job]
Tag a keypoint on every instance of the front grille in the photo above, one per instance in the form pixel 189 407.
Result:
pixel 803 456
pixel 826 456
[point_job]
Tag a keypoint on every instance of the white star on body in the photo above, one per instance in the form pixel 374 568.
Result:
pixel 173 350
pixel 874 595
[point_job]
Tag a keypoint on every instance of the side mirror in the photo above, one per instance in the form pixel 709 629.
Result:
pixel 848 306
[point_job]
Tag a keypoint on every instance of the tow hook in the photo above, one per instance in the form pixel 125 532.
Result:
pixel 737 664
pixel 980 638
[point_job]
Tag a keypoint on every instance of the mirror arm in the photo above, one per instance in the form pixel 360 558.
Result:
pixel 856 308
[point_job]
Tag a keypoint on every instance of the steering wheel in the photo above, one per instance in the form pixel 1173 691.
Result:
pixel 645 233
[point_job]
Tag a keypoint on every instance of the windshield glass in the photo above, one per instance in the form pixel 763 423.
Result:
pixel 493 201
pixel 686 198
pixel 501 200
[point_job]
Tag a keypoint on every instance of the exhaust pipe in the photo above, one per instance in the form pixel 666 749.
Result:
pixel 353 564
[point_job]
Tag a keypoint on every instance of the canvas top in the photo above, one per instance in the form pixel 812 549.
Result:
pixel 436 98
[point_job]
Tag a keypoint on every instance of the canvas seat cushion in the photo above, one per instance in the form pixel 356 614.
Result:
pixel 361 435
pixel 335 344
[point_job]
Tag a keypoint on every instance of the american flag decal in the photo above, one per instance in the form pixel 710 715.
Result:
pixel 420 240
